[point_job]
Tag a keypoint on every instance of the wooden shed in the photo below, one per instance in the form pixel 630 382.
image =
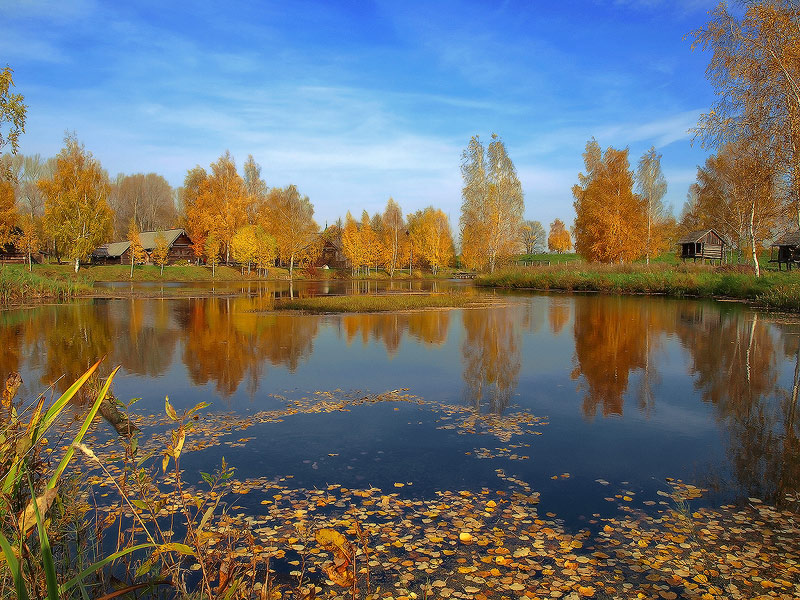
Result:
pixel 705 244
pixel 786 250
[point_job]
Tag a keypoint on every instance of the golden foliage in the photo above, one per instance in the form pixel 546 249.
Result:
pixel 559 239
pixel 8 213
pixel 77 215
pixel 431 240
pixel 610 221
pixel 289 218
pixel 12 111
pixel 160 254
pixel 492 207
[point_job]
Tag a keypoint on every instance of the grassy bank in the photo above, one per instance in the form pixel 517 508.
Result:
pixel 772 290
pixel 382 303
pixel 18 285
pixel 186 273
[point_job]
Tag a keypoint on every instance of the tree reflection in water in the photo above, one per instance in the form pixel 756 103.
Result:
pixel 742 364
pixel 491 357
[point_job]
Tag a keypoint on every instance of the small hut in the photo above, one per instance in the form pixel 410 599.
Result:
pixel 786 250
pixel 705 244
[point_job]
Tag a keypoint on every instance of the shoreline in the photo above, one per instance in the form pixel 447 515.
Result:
pixel 772 291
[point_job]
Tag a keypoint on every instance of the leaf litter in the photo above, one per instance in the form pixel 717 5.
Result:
pixel 493 543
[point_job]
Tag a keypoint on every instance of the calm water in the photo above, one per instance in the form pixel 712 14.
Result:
pixel 634 389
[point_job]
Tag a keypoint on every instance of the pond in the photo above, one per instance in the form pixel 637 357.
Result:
pixel 620 393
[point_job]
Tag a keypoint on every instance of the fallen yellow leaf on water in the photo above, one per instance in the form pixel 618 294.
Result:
pixel 465 538
pixel 586 591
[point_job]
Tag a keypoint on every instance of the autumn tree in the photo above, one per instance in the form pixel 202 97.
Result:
pixel 351 243
pixel 212 249
pixel 652 185
pixel 77 215
pixel 255 187
pixel 244 246
pixel 755 72
pixel 533 237
pixel 192 217
pixel 430 233
pixel 29 197
pixel 290 220
pixel 8 213
pixel 12 115
pixel 492 205
pixel 160 254
pixel 610 219
pixel 148 199
pixel 393 235
pixel 28 239
pixel 369 242
pixel 559 239
pixel 266 251
pixel 138 255
pixel 222 202
pixel 735 192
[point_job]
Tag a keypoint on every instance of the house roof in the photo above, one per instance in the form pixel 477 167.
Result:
pixel 148 238
pixel 790 238
pixel 113 250
pixel 694 236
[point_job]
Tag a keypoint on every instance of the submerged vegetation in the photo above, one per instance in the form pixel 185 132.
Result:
pixel 379 303
pixel 771 290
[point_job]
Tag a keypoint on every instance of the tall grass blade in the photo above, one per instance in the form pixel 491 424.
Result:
pixel 100 564
pixel 84 428
pixel 16 568
pixel 47 554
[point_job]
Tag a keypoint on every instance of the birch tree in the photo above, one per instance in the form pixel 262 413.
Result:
pixel 534 237
pixel 559 239
pixel 12 115
pixel 393 234
pixel 736 190
pixel 609 217
pixel 160 254
pixel 138 254
pixel 492 205
pixel 77 215
pixel 290 219
pixel 755 72
pixel 652 186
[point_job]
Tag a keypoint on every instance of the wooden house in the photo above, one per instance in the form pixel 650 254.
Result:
pixel 786 250
pixel 116 253
pixel 178 242
pixel 705 244
pixel 10 253
pixel 332 255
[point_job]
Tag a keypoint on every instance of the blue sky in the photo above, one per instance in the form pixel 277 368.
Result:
pixel 357 101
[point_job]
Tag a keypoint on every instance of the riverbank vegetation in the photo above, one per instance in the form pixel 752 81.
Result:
pixel 378 303
pixel 772 290
pixel 18 286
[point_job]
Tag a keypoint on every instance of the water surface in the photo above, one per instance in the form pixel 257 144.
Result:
pixel 633 389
